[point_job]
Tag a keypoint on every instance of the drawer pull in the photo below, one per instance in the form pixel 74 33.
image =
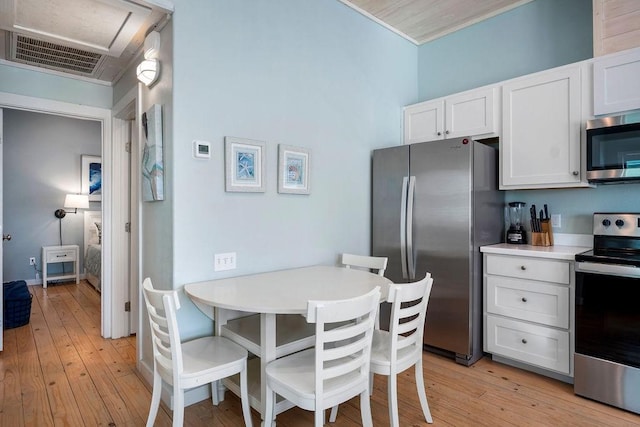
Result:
pixel 524 299
pixel 522 267
pixel 524 341
pixel 61 256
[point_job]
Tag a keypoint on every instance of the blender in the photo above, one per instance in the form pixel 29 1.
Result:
pixel 516 233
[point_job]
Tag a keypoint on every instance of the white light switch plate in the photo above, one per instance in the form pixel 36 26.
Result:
pixel 226 261
pixel 556 221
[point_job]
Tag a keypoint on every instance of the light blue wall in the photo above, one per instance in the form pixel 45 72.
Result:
pixel 540 35
pixel 537 36
pixel 41 164
pixel 307 73
pixel 21 81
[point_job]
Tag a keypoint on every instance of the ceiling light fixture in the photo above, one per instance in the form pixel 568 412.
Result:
pixel 149 69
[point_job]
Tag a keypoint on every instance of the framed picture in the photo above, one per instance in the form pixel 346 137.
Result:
pixel 244 165
pixel 152 167
pixel 92 177
pixel 294 164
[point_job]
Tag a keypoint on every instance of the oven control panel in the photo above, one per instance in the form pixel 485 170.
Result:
pixel 616 224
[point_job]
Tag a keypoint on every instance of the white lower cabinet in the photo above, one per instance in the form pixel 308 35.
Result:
pixel 528 311
pixel 529 343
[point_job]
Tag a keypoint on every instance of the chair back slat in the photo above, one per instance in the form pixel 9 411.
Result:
pixel 365 262
pixel 350 364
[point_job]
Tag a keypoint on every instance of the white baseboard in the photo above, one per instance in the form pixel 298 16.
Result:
pixel 31 282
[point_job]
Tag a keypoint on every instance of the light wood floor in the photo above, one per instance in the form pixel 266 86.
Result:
pixel 59 371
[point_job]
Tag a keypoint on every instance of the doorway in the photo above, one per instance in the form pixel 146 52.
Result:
pixel 109 310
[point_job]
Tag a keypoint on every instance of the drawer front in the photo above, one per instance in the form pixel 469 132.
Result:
pixel 61 256
pixel 546 270
pixel 528 300
pixel 532 344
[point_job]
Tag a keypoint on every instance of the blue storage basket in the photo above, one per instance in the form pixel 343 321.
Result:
pixel 17 304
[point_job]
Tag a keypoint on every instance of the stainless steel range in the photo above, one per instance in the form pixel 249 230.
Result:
pixel 607 359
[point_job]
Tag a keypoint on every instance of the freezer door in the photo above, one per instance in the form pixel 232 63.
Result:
pixel 390 170
pixel 442 238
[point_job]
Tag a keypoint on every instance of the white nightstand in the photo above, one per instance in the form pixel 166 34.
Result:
pixel 53 254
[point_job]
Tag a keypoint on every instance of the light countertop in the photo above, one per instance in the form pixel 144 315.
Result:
pixel 553 252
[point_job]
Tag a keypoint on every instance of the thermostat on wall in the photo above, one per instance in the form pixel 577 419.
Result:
pixel 201 149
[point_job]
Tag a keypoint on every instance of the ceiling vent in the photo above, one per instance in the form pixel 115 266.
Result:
pixel 40 53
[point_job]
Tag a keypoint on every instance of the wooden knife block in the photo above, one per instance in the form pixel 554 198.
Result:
pixel 545 238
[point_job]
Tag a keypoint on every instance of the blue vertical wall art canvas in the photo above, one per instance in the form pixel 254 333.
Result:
pixel 92 177
pixel 244 165
pixel 152 165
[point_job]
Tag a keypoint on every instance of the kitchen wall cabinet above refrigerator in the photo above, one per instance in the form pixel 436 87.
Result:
pixel 473 113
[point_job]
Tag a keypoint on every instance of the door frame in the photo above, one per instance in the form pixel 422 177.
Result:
pixel 109 310
pixel 126 209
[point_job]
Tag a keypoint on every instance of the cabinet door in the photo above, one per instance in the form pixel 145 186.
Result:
pixel 540 144
pixel 471 114
pixel 424 122
pixel 616 86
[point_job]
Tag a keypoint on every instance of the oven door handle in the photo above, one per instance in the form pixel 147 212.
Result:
pixel 610 269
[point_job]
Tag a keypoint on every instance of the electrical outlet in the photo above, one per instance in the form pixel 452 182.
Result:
pixel 32 260
pixel 226 261
pixel 556 220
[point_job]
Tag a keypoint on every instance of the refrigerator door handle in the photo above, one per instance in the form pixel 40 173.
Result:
pixel 403 227
pixel 410 263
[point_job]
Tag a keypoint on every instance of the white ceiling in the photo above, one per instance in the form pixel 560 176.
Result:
pixel 101 38
pixel 424 20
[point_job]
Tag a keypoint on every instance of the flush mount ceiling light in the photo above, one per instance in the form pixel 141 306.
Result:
pixel 149 69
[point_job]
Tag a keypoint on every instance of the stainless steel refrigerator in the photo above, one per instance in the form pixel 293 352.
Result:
pixel 433 205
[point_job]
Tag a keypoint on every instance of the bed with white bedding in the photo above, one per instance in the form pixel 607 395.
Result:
pixel 93 247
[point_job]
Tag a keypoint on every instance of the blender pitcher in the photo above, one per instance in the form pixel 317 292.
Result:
pixel 516 233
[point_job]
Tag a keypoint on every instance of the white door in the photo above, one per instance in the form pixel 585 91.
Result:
pixel 1 232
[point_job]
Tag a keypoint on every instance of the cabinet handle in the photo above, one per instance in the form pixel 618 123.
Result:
pixel 439 133
pixel 524 341
pixel 447 132
pixel 522 267
pixel 524 299
pixel 575 173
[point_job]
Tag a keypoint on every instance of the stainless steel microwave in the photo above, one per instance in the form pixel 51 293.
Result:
pixel 613 149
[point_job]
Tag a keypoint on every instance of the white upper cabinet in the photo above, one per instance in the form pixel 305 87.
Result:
pixel 424 121
pixel 616 82
pixel 541 129
pixel 472 113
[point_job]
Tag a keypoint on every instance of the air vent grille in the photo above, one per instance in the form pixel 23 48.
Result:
pixel 50 55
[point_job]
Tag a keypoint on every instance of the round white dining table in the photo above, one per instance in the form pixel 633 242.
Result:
pixel 282 292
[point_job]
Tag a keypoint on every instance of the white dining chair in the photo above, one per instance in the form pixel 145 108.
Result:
pixel 367 262
pixel 189 364
pixel 337 368
pixel 398 349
